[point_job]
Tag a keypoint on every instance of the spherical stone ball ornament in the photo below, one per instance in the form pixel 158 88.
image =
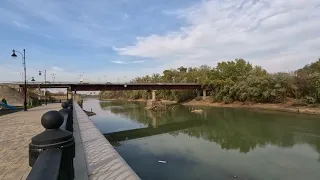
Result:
pixel 64 105
pixel 52 120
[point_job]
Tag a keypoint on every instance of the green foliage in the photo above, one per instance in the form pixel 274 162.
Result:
pixel 233 81
pixel 300 102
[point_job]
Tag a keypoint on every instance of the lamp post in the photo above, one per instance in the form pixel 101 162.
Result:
pixel 81 75
pixel 105 76
pixel 22 75
pixel 45 81
pixel 45 75
pixel 53 77
pixel 32 79
pixel 14 55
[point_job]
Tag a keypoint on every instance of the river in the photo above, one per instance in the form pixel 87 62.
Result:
pixel 220 143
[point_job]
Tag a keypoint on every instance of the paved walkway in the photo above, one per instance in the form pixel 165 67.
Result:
pixel 16 131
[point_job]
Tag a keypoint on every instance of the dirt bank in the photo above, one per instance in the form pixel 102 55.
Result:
pixel 287 107
pixel 140 100
pixel 263 106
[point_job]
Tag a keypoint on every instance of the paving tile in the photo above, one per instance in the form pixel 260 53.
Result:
pixel 16 131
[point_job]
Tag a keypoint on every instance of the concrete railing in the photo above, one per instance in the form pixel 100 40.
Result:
pixel 103 161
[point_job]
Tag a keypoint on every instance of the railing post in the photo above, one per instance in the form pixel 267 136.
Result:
pixel 54 138
pixel 65 111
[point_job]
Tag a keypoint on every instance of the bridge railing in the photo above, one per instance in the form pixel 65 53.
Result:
pixel 51 152
pixel 97 82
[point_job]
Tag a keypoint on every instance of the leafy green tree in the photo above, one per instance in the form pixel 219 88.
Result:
pixel 233 81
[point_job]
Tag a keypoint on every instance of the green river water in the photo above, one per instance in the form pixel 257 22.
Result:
pixel 220 143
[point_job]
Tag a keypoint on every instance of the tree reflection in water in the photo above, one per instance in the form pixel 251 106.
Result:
pixel 237 129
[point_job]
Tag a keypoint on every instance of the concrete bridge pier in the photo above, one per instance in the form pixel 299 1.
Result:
pixel 204 94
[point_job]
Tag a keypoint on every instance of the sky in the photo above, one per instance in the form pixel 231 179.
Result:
pixel 117 40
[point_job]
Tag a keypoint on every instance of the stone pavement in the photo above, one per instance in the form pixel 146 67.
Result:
pixel 16 131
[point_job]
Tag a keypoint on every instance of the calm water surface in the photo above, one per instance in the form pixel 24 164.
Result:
pixel 220 143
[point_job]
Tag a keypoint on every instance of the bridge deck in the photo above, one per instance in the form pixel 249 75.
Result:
pixel 116 86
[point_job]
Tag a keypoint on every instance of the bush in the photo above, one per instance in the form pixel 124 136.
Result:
pixel 198 98
pixel 313 105
pixel 300 102
pixel 227 100
pixel 310 100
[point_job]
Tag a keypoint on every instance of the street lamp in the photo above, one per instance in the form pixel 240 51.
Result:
pixel 45 81
pixel 32 79
pixel 105 76
pixel 22 75
pixel 81 75
pixel 53 77
pixel 45 75
pixel 14 55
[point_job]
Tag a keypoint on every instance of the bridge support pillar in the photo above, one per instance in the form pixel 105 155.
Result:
pixel 153 95
pixel 204 94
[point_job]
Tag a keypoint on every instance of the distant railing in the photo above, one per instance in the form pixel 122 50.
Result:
pixel 98 82
pixel 51 152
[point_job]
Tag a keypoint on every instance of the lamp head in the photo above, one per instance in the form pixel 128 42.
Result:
pixel 13 54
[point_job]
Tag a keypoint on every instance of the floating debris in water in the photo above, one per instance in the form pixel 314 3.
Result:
pixel 164 162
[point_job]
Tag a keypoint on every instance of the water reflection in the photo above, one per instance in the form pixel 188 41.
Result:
pixel 219 144
pixel 235 129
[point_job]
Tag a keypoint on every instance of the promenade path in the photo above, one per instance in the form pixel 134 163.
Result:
pixel 16 131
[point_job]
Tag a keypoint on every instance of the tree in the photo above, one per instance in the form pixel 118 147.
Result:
pixel 235 80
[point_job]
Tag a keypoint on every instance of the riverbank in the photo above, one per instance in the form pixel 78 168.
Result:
pixel 262 106
pixel 287 107
pixel 139 100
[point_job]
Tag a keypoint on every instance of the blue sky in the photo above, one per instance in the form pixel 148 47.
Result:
pixel 122 39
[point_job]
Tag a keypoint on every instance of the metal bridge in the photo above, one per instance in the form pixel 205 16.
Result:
pixel 75 86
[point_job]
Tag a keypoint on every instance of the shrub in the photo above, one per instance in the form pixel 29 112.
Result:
pixel 300 102
pixel 311 100
pixel 227 100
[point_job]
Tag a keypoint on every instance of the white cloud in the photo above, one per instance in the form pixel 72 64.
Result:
pixel 280 35
pixel 56 68
pixel 138 62
pixel 119 62
pixel 48 36
pixel 21 25
pixel 128 62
